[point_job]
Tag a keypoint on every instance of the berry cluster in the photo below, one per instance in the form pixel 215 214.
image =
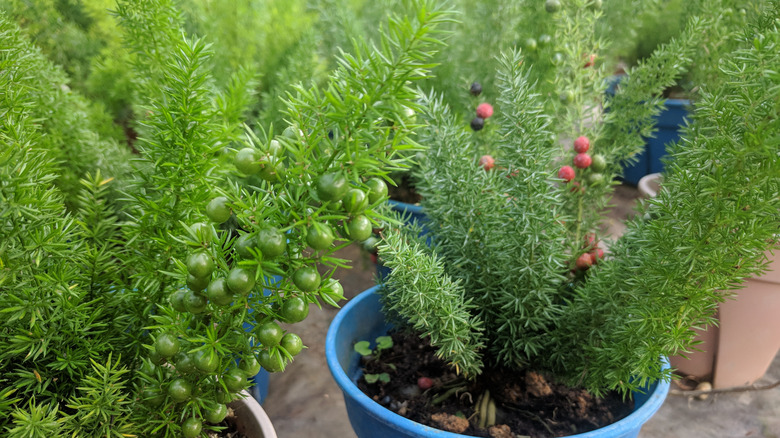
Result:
pixel 484 109
pixel 591 166
pixel 592 255
pixel 236 258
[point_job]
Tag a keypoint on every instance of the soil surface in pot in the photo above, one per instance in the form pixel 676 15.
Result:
pixel 229 428
pixel 527 404
pixel 404 190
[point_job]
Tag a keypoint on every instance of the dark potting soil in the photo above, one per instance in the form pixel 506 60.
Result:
pixel 404 190
pixel 230 430
pixel 527 404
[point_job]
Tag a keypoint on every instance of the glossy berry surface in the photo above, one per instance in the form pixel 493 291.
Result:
pixel 487 162
pixel 484 110
pixel 595 179
pixel 217 210
pixel 475 89
pixel 584 261
pixel 582 161
pixel 566 173
pixel 477 123
pixel 581 144
pixel 307 278
pixel 599 163
pixel 590 241
pixel 424 383
pixel 552 6
pixel 596 255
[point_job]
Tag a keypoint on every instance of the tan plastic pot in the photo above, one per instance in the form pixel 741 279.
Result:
pixel 740 350
pixel 252 421
pixel 749 332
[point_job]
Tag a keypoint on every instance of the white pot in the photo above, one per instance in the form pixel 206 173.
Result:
pixel 649 185
pixel 252 420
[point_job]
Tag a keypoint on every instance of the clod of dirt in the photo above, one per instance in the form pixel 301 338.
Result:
pixel 500 431
pixel 450 423
pixel 703 386
pixel 537 385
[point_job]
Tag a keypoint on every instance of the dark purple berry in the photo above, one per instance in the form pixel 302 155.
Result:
pixel 477 123
pixel 476 89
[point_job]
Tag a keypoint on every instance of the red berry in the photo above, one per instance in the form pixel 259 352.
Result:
pixel 582 160
pixel 596 255
pixel 484 110
pixel 591 60
pixel 487 162
pixel 584 261
pixel 590 241
pixel 424 383
pixel 581 144
pixel 566 173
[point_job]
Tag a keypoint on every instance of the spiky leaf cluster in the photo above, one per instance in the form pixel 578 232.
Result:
pixel 431 302
pixel 498 232
pixel 701 237
pixel 61 314
pixel 87 294
pixel 510 234
pixel 354 128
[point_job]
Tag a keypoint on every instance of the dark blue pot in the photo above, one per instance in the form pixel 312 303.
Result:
pixel 361 319
pixel 412 213
pixel 259 388
pixel 415 212
pixel 669 123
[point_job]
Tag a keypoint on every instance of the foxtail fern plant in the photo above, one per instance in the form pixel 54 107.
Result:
pixel 62 315
pixel 511 242
pixel 145 307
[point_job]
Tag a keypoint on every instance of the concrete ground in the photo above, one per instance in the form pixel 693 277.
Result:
pixel 304 401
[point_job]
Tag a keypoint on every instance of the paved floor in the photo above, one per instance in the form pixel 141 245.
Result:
pixel 304 401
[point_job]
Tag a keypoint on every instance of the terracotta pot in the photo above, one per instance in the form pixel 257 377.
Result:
pixel 252 420
pixel 749 332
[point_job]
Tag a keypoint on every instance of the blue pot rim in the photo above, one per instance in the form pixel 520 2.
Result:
pixel 633 421
pixel 614 80
pixel 404 207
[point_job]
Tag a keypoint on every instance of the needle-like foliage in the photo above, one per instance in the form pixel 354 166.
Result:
pixel 515 236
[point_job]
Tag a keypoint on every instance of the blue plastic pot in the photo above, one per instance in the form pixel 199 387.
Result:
pixel 412 213
pixel 259 388
pixel 415 212
pixel 361 319
pixel 668 124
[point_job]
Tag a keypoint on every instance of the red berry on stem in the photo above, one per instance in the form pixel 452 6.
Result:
pixel 484 110
pixel 590 240
pixel 487 162
pixel 596 255
pixel 424 383
pixel 581 144
pixel 582 160
pixel 566 173
pixel 584 261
